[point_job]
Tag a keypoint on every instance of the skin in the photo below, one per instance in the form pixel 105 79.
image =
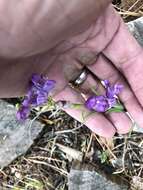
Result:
pixel 111 50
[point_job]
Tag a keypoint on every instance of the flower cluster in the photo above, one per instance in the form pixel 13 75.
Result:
pixel 37 95
pixel 105 102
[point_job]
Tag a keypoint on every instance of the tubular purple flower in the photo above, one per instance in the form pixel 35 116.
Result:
pixel 117 88
pixel 49 85
pixel 97 103
pixel 113 91
pixel 26 102
pixel 36 79
pixel 111 102
pixel 41 98
pixel 106 83
pixel 37 95
pixel 23 113
pixel 103 103
pixel 41 83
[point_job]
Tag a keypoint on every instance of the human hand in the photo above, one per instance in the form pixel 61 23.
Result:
pixel 102 42
pixel 118 56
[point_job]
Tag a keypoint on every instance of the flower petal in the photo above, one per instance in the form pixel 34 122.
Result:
pixel 36 78
pixel 90 103
pixel 41 98
pixel 37 95
pixel 49 85
pixel 97 103
pixel 111 102
pixel 106 83
pixel 23 113
pixel 110 92
pixel 117 88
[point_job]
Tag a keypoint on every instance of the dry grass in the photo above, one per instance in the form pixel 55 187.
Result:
pixel 129 9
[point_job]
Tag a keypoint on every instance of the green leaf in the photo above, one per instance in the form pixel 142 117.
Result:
pixel 114 110
pixel 104 157
pixel 117 108
pixel 77 106
pixel 17 106
pixel 50 102
pixel 34 183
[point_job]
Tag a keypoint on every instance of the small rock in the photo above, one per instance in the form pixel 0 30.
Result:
pixel 91 180
pixel 136 28
pixel 15 138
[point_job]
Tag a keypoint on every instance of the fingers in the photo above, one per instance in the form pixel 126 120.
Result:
pixel 96 122
pixel 105 70
pixel 121 121
pixel 127 55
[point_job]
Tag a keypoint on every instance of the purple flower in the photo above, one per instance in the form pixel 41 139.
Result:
pixel 106 83
pixel 111 102
pixel 41 83
pixel 112 91
pixel 37 95
pixel 23 113
pixel 103 103
pixel 34 97
pixel 97 103
pixel 41 98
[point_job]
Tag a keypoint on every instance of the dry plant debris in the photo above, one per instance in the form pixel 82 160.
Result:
pixel 129 9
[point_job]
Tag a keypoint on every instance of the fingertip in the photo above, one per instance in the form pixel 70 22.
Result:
pixel 122 122
pixel 101 126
